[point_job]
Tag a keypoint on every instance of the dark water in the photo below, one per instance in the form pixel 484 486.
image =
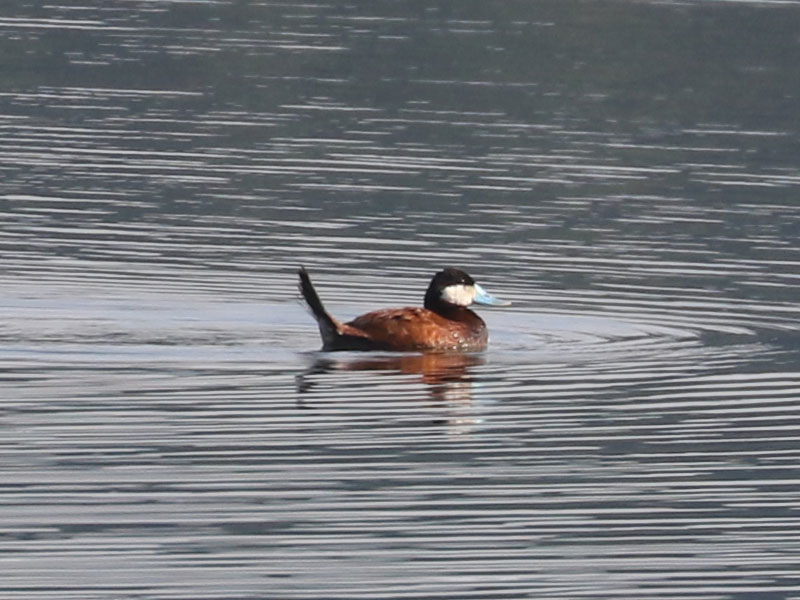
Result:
pixel 625 172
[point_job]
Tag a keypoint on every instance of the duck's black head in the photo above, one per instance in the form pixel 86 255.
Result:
pixel 453 287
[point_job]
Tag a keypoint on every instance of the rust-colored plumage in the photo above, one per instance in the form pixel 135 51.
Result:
pixel 444 324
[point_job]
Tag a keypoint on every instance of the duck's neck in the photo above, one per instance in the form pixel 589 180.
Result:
pixel 451 311
pixel 433 299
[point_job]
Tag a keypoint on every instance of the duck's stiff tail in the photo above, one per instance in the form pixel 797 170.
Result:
pixel 328 326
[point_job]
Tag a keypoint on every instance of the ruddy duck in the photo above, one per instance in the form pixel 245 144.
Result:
pixel 445 324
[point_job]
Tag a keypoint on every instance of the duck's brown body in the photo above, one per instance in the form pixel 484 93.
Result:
pixel 418 329
pixel 439 327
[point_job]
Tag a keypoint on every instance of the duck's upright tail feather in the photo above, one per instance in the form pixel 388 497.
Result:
pixel 328 326
pixel 335 335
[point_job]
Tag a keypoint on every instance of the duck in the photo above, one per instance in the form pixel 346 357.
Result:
pixel 443 324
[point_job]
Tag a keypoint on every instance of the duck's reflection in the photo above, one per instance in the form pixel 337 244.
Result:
pixel 447 377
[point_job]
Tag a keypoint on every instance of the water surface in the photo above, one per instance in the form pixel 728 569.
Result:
pixel 625 173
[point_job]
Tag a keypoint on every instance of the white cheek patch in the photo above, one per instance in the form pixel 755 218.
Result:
pixel 460 294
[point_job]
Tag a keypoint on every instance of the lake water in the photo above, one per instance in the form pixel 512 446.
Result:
pixel 626 173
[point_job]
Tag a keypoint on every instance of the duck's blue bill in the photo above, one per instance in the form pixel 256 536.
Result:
pixel 483 297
